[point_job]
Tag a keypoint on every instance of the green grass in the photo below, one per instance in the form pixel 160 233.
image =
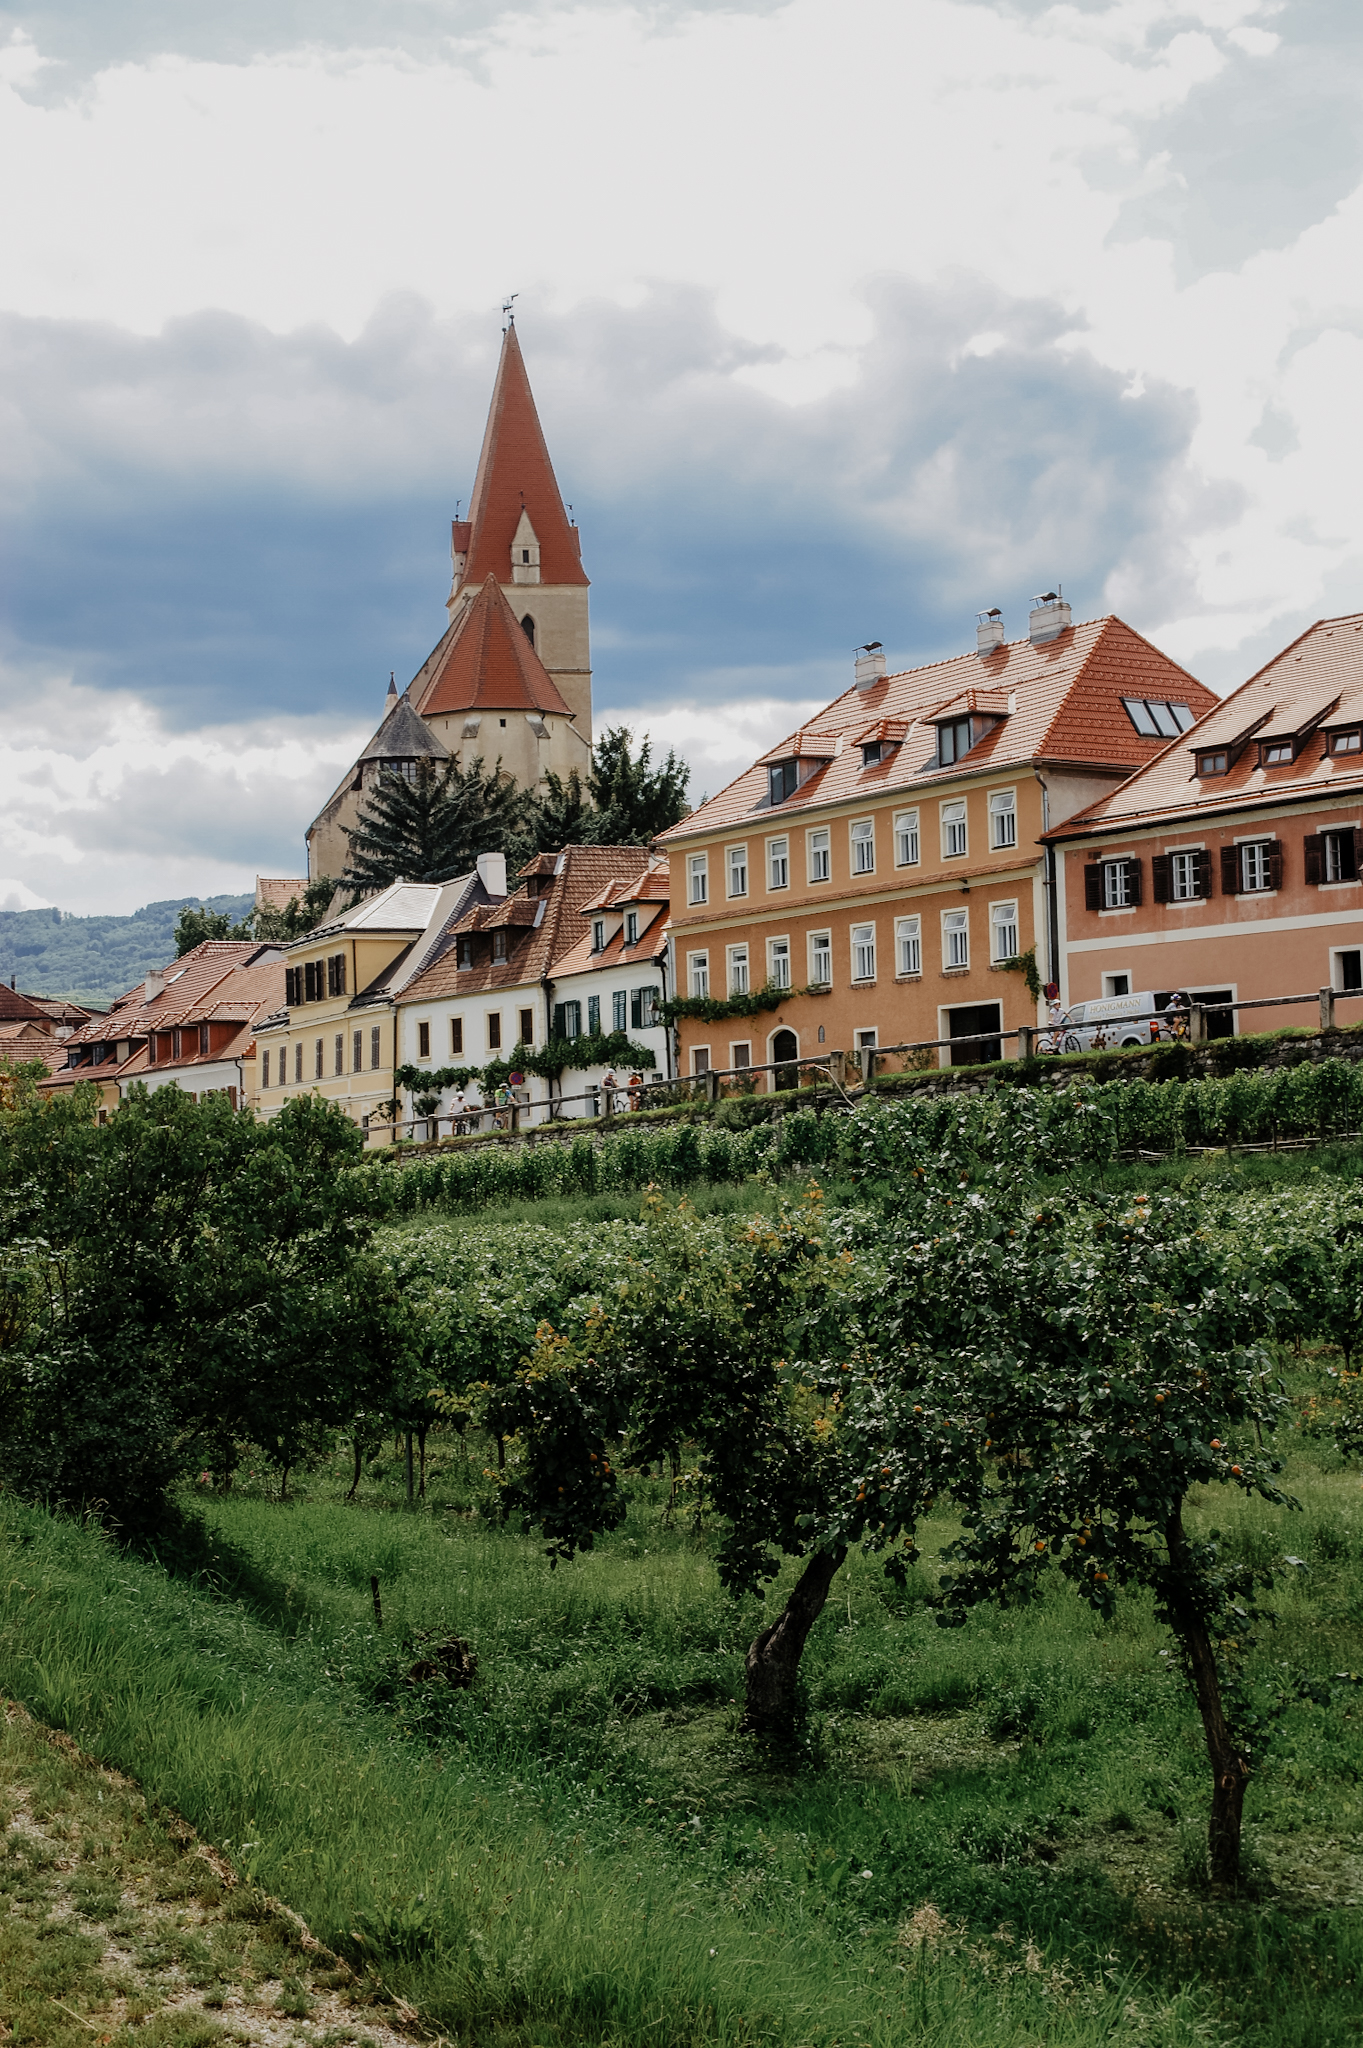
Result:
pixel 993 1836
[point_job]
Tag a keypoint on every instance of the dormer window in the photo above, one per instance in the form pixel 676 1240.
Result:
pixel 525 551
pixel 464 950
pixel 1215 763
pixel 1277 753
pixel 598 935
pixel 782 780
pixel 631 927
pixel 954 739
pixel 1349 742
pixel 872 752
pixel 501 945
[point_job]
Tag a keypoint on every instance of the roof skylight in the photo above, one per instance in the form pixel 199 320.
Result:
pixel 1156 719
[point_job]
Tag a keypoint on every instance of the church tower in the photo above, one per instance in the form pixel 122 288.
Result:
pixel 510 680
pixel 518 531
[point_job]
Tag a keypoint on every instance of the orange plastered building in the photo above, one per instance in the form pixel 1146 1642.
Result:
pixel 881 871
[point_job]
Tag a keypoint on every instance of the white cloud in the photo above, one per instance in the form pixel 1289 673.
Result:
pixel 718 741
pixel 102 807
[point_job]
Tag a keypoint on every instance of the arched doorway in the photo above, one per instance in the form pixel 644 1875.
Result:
pixel 785 1047
pixel 528 628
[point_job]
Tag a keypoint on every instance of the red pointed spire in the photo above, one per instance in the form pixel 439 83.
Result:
pixel 515 475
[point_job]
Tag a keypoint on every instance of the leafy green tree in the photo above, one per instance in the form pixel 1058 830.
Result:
pixel 299 915
pixel 431 828
pixel 195 924
pixel 204 1279
pixel 627 801
pixel 558 813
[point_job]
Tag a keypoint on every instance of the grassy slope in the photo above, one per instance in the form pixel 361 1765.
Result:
pixel 583 1850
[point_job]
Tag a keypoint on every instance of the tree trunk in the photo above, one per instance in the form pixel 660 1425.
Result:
pixel 1230 1770
pixel 359 1460
pixel 421 1452
pixel 772 1665
pixel 409 1466
pixel 284 1483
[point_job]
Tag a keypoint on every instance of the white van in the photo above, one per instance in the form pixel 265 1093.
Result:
pixel 1115 1020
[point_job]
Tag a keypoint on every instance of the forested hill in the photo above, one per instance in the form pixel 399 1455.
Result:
pixel 94 959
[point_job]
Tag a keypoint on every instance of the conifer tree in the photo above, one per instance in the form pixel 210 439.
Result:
pixel 431 828
pixel 627 802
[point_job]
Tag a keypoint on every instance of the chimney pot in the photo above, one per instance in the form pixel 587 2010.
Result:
pixel 1050 615
pixel 492 873
pixel 870 665
pixel 988 631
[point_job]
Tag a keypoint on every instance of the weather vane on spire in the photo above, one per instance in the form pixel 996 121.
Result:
pixel 509 311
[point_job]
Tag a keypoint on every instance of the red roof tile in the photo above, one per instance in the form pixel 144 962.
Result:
pixel 516 475
pixel 1295 692
pixel 14 1006
pixel 1067 710
pixel 486 663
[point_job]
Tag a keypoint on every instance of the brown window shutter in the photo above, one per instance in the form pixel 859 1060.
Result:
pixel 1093 885
pixel 1313 852
pixel 1275 864
pixel 1230 871
pixel 1161 878
pixel 1133 881
pixel 1206 885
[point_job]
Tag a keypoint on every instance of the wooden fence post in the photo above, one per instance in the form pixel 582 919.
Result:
pixel 1327 1009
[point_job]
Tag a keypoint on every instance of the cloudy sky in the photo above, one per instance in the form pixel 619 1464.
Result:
pixel 845 317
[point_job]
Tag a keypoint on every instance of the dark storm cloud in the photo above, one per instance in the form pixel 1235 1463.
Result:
pixel 233 523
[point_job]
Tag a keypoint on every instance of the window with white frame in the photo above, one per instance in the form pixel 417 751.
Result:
pixel 738 870
pixel 700 1059
pixel 740 1053
pixel 738 970
pixel 698 871
pixel 820 854
pixel 955 938
pixel 598 935
pixel 1003 818
pixel 698 965
pixel 1185 873
pixel 953 829
pixel 864 847
pixel 908 945
pixel 863 952
pixel 1256 865
pixel 1003 931
pixel 778 963
pixel 631 927
pixel 906 854
pixel 821 958
pixel 778 863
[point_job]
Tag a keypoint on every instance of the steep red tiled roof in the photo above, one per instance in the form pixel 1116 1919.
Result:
pixel 1067 709
pixel 187 982
pixel 515 475
pixel 15 1006
pixel 648 947
pixel 486 663
pixel 580 872
pixel 1293 692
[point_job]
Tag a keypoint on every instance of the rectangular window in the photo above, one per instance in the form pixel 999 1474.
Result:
pixel 338 1054
pixel 423 1041
pixel 1217 762
pixel 953 829
pixel 740 1053
pixel 1341 864
pixel 698 870
pixel 631 927
pixel 265 1070
pixel 1277 753
pixel 906 839
pixel 357 1052
pixel 572 1020
pixel 863 952
pixel 310 981
pixel 463 951
pixel 1003 931
pixel 593 1017
pixel 298 1061
pixel 501 945
pixel 336 974
pixel 1003 818
pixel 643 1007
pixel 598 935
pixel 1116 884
pixel 494 1030
pixel 864 847
pixel 953 740
pixel 1184 875
pixel 699 965
pixel 821 958
pixel 738 970
pixel 317 1060
pixel 778 863
pixel 456 1035
pixel 867 1040
pixel 820 854
pixel 1254 866
pixel 1347 742
pixel 955 938
pixel 376 1046
pixel 619 1009
pixel 700 1059
pixel 908 945
pixel 781 781
pixel 738 870
pixel 526 1035
pixel 778 963
pixel 1348 974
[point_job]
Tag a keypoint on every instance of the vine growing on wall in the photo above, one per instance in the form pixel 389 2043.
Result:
pixel 714 1009
pixel 1025 965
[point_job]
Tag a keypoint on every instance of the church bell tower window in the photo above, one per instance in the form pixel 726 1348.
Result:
pixel 528 628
